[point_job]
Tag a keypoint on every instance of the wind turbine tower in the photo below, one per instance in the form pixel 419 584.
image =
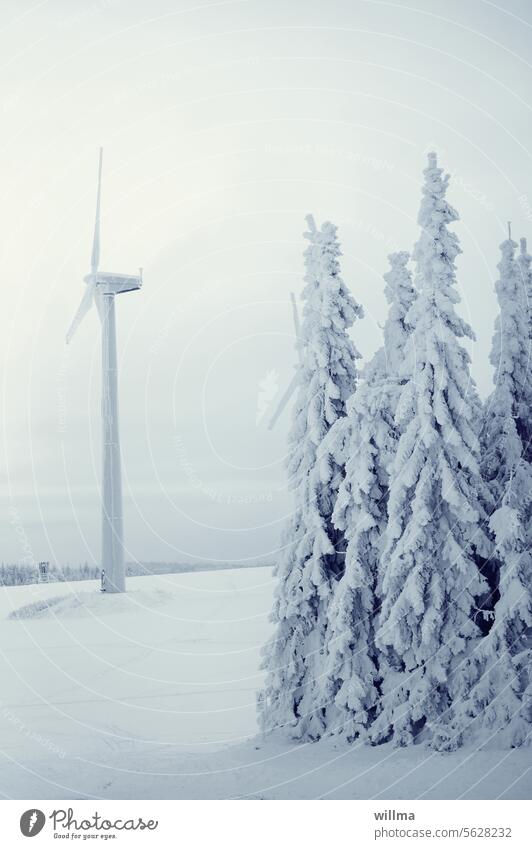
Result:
pixel 102 288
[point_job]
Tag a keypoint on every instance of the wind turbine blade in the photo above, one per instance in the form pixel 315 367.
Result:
pixel 95 258
pixel 295 313
pixel 284 400
pixel 84 307
pixel 297 326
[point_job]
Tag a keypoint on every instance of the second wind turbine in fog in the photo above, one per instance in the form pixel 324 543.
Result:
pixel 102 287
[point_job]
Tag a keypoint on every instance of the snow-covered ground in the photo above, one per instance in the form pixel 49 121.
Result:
pixel 152 695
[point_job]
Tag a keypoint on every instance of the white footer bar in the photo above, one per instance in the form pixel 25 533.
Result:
pixel 256 824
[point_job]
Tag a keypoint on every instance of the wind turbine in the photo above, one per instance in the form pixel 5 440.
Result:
pixel 295 380
pixel 102 287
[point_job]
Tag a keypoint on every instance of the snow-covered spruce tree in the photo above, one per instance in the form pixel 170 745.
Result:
pixel 505 419
pixel 430 577
pixel 524 261
pixel 501 700
pixel 367 439
pixel 310 562
pixel 505 424
pixel 389 361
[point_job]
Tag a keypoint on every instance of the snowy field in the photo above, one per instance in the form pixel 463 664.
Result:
pixel 152 695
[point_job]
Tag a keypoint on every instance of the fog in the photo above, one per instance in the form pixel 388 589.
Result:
pixel 223 125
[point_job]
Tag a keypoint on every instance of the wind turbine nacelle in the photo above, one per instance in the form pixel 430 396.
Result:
pixel 114 284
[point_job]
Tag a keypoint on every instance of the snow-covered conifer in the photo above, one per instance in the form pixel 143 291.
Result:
pixel 430 577
pixel 389 361
pixel 504 429
pixel 350 687
pixel 506 414
pixel 310 563
pixel 502 700
pixel 524 261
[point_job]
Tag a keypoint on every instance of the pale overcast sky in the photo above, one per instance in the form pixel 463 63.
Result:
pixel 223 124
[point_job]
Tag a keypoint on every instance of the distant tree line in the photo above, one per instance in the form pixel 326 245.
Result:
pixel 17 574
